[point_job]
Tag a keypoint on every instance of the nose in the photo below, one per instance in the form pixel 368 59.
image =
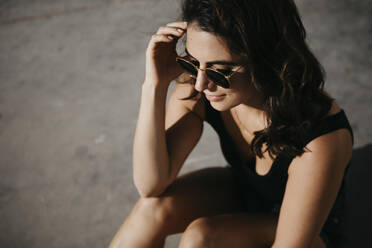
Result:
pixel 202 81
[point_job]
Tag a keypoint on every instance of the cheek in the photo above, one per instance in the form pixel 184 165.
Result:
pixel 235 98
pixel 242 92
pixel 240 80
pixel 240 89
pixel 239 97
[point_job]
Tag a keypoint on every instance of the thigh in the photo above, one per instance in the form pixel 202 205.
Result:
pixel 201 193
pixel 231 230
pixel 236 230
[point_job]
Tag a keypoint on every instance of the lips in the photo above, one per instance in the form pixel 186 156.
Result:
pixel 210 95
pixel 214 97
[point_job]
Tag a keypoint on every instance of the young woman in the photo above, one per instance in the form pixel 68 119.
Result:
pixel 249 73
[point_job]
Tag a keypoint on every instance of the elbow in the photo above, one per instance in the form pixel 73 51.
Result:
pixel 144 190
pixel 150 184
pixel 148 194
pixel 150 190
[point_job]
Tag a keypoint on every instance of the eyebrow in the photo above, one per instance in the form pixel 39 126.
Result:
pixel 216 62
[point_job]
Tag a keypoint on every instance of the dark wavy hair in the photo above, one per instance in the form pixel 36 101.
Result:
pixel 270 35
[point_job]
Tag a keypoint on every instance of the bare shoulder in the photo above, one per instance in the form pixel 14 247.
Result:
pixel 335 146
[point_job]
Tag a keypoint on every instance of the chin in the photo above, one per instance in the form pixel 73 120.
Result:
pixel 221 106
pixel 228 102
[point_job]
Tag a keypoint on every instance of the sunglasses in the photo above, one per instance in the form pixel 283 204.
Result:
pixel 218 76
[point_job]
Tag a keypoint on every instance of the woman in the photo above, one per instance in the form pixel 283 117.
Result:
pixel 248 72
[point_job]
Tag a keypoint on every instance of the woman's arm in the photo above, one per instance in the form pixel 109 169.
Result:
pixel 314 180
pixel 151 167
pixel 159 152
pixel 150 155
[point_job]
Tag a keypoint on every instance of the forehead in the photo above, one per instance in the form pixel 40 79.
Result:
pixel 205 46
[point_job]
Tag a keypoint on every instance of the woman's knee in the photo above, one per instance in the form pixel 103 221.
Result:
pixel 155 209
pixel 200 233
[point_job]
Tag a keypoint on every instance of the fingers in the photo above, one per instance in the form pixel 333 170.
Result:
pixel 169 32
pixel 182 25
pixel 172 31
pixel 161 38
pixel 175 30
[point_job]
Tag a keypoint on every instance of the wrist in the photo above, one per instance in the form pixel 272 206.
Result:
pixel 155 85
pixel 152 89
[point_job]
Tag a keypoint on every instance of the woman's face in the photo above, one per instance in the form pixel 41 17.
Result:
pixel 205 47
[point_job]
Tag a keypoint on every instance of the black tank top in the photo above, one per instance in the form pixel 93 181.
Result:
pixel 271 186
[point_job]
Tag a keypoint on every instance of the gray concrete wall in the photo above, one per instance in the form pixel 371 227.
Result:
pixel 70 77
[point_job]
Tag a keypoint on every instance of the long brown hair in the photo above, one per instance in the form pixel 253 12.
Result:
pixel 270 35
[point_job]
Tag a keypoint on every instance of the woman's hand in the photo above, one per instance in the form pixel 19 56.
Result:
pixel 161 65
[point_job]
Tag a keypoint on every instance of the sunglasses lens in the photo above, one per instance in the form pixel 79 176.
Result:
pixel 187 67
pixel 218 78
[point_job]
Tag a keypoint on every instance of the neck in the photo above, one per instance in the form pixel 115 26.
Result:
pixel 252 117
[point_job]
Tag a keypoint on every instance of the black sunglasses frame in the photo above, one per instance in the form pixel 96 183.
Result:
pixel 226 78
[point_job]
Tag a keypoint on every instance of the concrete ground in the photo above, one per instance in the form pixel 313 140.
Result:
pixel 70 77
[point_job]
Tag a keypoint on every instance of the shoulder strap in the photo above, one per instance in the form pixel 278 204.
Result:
pixel 329 124
pixel 326 125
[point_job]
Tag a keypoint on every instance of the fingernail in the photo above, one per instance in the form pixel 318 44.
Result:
pixel 170 37
pixel 179 30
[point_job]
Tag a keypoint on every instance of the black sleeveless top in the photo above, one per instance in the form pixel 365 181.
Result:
pixel 271 186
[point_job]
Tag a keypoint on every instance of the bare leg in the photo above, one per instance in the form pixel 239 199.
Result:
pixel 139 229
pixel 205 192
